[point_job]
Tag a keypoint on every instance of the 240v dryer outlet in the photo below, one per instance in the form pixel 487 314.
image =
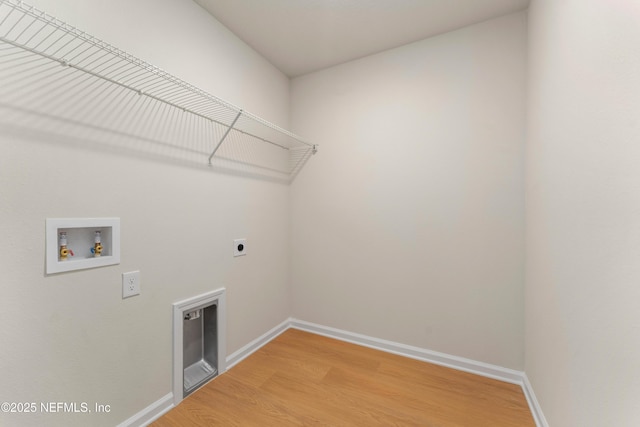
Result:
pixel 239 247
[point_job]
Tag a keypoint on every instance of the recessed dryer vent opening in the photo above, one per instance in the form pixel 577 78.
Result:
pixel 198 347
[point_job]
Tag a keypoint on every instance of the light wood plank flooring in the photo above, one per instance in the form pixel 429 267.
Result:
pixel 301 379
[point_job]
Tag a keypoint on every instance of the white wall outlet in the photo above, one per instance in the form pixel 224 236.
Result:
pixel 239 247
pixel 130 284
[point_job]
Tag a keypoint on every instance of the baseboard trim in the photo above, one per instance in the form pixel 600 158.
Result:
pixel 150 413
pixel 443 359
pixel 536 410
pixel 164 404
pixel 237 356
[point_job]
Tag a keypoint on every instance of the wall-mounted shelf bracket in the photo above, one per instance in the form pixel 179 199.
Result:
pixel 225 135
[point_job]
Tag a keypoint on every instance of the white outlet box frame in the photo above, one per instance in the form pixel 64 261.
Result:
pixel 80 261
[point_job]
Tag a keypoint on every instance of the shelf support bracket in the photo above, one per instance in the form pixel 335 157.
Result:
pixel 225 135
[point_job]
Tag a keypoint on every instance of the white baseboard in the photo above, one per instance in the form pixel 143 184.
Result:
pixel 254 345
pixel 536 410
pixel 443 359
pixel 166 403
pixel 158 408
pixel 150 413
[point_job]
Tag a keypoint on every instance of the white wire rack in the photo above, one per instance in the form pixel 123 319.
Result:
pixel 59 79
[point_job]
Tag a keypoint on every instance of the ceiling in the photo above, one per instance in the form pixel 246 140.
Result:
pixel 301 36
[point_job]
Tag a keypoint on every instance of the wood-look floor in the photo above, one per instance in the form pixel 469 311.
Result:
pixel 301 379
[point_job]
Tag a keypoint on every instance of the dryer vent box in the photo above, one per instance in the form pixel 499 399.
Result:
pixel 199 352
pixel 199 347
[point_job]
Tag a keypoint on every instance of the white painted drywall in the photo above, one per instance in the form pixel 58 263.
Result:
pixel 70 337
pixel 583 211
pixel 408 226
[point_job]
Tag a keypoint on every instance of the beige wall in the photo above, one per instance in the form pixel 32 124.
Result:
pixel 583 206
pixel 70 337
pixel 408 226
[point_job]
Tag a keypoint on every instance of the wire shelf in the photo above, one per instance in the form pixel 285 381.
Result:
pixel 61 80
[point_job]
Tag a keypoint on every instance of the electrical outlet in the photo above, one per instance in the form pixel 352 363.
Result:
pixel 239 247
pixel 130 284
